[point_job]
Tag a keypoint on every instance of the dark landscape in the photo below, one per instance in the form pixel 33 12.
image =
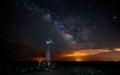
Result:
pixel 61 68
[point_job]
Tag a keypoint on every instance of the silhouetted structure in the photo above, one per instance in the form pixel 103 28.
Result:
pixel 47 61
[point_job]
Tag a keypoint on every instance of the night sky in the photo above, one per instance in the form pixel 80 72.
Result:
pixel 72 25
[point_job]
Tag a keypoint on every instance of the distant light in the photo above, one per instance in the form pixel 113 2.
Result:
pixel 78 59
pixel 116 60
pixel 117 49
pixel 39 61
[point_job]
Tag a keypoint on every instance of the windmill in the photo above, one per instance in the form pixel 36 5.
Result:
pixel 47 58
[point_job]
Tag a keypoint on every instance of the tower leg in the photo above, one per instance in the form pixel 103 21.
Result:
pixel 48 57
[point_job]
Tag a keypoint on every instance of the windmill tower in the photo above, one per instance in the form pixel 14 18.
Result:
pixel 47 58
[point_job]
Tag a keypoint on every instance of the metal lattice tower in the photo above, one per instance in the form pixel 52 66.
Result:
pixel 47 59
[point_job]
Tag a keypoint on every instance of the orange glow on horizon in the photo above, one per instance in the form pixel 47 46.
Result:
pixel 78 59
pixel 38 59
pixel 117 49
pixel 84 52
pixel 82 55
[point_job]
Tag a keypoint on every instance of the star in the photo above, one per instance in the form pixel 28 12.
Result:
pixel 114 17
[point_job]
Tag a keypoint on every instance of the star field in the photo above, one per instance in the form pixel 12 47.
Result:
pixel 70 23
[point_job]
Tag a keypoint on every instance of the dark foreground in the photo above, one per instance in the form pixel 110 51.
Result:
pixel 61 68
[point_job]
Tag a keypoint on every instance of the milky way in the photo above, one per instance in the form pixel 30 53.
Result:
pixel 71 24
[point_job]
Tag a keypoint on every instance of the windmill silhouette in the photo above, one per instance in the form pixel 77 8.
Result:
pixel 47 58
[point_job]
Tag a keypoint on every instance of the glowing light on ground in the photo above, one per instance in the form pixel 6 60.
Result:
pixel 78 59
pixel 116 60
